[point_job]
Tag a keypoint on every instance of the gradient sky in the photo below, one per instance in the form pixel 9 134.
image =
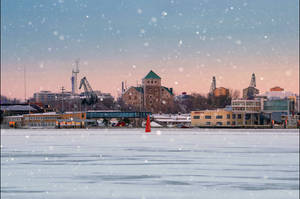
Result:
pixel 185 42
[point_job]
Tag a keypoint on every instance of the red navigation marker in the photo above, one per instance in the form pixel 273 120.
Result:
pixel 148 126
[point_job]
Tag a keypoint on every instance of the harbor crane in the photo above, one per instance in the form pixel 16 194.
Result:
pixel 90 95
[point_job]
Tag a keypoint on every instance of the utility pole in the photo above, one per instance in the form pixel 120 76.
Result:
pixel 25 83
pixel 62 99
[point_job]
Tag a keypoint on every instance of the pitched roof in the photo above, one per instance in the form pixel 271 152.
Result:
pixel 139 89
pixel 169 90
pixel 152 75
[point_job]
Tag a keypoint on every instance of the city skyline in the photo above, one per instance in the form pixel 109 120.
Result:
pixel 186 43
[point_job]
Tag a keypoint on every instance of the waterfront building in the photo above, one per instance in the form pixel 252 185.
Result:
pixel 219 117
pixel 43 120
pixel 251 111
pixel 150 96
pixel 249 106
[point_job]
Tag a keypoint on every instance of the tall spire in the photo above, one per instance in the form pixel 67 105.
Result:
pixel 253 81
pixel 213 85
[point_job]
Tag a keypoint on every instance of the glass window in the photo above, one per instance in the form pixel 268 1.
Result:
pixel 228 123
pixel 219 123
pixel 239 116
pixel 207 123
pixel 207 117
pixel 197 117
pixel 228 116
pixel 233 116
pixel 219 117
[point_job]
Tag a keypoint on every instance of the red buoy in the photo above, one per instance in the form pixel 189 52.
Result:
pixel 148 126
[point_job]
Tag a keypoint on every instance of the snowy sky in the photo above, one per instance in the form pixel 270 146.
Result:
pixel 186 42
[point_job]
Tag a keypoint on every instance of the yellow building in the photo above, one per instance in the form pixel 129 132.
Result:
pixel 219 117
pixel 48 120
pixel 42 120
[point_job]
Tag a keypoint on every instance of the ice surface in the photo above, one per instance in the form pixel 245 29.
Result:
pixel 166 163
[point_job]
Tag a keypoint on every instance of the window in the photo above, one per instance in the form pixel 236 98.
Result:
pixel 219 117
pixel 207 123
pixel 150 102
pixel 239 116
pixel 233 116
pixel 228 123
pixel 197 117
pixel 148 81
pixel 151 82
pixel 135 97
pixel 219 123
pixel 155 82
pixel 228 116
pixel 129 97
pixel 207 117
pixel 233 123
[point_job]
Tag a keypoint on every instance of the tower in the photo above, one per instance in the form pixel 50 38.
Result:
pixel 152 92
pixel 253 81
pixel 74 77
pixel 213 85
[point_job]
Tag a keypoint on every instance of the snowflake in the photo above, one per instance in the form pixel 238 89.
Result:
pixel 139 11
pixel 153 19
pixel 164 13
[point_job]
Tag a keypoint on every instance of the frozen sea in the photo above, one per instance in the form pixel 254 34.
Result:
pixel 166 164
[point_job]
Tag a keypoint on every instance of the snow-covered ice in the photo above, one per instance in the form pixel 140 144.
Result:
pixel 166 163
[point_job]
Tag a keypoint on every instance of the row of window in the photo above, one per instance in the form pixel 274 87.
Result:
pixel 42 124
pixel 239 116
pixel 220 123
pixel 151 82
pixel 41 118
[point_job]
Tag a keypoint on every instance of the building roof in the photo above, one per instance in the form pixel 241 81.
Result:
pixel 139 89
pixel 169 90
pixel 152 75
pixel 17 108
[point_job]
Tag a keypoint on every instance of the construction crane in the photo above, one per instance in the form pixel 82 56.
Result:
pixel 90 95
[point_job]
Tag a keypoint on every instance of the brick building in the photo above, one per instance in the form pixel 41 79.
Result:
pixel 150 96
